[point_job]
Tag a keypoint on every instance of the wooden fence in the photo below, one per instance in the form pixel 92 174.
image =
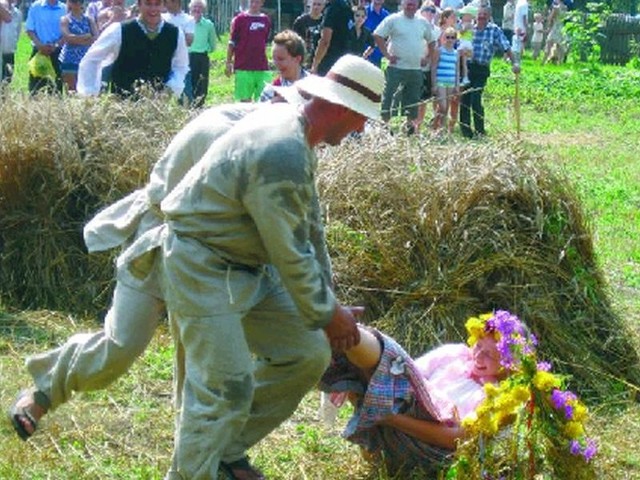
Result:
pixel 616 44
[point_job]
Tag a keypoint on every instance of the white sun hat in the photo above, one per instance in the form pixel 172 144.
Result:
pixel 352 82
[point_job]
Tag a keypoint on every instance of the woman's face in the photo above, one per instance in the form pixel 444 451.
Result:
pixel 486 359
pixel 287 65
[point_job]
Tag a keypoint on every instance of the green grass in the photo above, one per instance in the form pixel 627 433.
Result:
pixel 583 121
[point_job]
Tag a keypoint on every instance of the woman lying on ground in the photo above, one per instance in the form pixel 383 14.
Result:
pixel 408 412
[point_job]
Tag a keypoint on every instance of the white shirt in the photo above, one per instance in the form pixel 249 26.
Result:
pixel 520 17
pixel 408 39
pixel 10 32
pixel 105 51
pixel 184 22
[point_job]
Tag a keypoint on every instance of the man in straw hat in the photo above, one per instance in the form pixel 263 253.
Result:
pixel 240 276
pixel 92 361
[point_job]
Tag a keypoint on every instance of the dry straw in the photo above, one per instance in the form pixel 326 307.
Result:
pixel 427 235
pixel 424 235
pixel 61 160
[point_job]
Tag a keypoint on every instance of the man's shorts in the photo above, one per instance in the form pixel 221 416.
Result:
pixel 427 87
pixel 249 84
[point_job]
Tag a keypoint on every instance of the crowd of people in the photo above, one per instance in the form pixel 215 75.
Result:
pixel 438 54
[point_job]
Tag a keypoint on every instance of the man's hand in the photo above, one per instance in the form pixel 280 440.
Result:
pixel 342 330
pixel 515 68
pixel 229 69
pixel 393 59
pixel 46 49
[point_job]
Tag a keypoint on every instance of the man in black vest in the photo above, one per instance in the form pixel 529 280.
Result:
pixel 144 51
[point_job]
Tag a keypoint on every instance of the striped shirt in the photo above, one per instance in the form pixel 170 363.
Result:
pixel 446 71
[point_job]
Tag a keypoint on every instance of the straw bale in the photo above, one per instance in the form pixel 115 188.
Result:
pixel 423 234
pixel 61 160
pixel 426 235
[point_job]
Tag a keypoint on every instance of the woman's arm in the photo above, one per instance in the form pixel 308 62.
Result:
pixel 433 433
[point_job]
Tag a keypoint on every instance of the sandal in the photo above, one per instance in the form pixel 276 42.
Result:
pixel 231 469
pixel 21 415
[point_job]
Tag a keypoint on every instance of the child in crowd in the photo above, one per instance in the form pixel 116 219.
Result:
pixel 360 39
pixel 78 32
pixel 446 80
pixel 465 34
pixel 538 35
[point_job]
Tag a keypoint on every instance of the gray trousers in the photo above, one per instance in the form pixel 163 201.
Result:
pixel 402 87
pixel 91 361
pixel 231 401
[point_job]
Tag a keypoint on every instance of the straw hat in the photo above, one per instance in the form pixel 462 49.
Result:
pixel 352 82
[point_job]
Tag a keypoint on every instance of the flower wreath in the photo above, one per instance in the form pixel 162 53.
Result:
pixel 529 425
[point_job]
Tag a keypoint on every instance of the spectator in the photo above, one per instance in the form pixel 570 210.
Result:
pixel 487 37
pixel 78 32
pixel 375 14
pixel 10 27
pixel 508 15
pixel 204 42
pixel 407 42
pixel 520 24
pixel 428 10
pixel 455 4
pixel 114 12
pixel 465 34
pixel 537 39
pixel 287 54
pixel 146 50
pixel 94 7
pixel 448 18
pixel 175 16
pixel 246 53
pixel 43 28
pixel 308 27
pixel 334 36
pixel 360 38
pixel 555 48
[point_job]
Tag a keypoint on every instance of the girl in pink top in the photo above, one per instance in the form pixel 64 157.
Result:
pixel 410 410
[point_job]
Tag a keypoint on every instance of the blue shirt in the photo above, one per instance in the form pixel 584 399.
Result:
pixel 44 20
pixel 373 20
pixel 486 41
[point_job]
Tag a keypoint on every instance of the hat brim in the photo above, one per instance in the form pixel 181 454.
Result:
pixel 339 94
pixel 291 94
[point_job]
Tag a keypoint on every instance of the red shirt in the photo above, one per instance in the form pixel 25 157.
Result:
pixel 249 34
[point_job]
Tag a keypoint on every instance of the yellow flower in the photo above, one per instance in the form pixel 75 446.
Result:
pixel 469 422
pixel 580 411
pixel 475 328
pixel 490 390
pixel 521 393
pixel 545 381
pixel 573 430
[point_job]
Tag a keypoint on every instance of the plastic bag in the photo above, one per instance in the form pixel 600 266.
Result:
pixel 40 66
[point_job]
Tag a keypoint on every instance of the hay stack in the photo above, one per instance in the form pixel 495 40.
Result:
pixel 424 235
pixel 60 162
pixel 427 235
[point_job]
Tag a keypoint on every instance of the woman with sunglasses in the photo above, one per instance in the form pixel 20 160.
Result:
pixel 78 33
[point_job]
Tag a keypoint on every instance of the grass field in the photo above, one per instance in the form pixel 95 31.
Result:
pixel 583 120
